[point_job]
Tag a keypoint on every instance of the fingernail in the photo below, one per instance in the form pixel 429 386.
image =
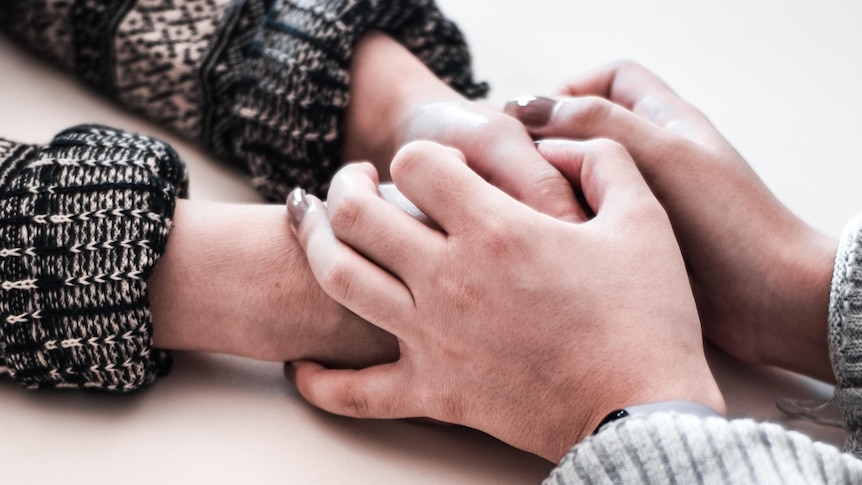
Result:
pixel 297 206
pixel 532 111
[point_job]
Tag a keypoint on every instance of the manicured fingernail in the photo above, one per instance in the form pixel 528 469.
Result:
pixel 532 111
pixel 297 206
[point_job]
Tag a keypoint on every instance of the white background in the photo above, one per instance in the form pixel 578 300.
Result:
pixel 780 79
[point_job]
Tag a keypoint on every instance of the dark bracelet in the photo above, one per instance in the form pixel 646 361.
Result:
pixel 682 407
pixel 612 416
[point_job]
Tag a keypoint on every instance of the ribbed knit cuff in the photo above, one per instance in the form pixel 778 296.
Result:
pixel 680 448
pixel 82 223
pixel 845 331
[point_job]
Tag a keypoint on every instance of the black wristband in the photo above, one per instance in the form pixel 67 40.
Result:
pixel 682 407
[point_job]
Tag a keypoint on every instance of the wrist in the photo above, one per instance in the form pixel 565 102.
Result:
pixel 388 84
pixel 802 317
pixel 679 407
pixel 234 280
pixel 224 268
pixel 685 382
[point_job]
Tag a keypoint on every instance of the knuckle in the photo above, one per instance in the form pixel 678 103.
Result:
pixel 592 112
pixel 605 147
pixel 352 402
pixel 627 65
pixel 410 157
pixel 649 210
pixel 337 278
pixel 346 214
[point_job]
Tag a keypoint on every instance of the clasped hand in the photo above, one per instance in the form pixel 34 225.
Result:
pixel 509 321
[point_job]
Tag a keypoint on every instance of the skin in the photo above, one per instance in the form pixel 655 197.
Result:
pixel 524 326
pixel 233 280
pixel 761 276
pixel 395 100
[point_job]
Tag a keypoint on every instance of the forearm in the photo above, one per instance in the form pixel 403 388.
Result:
pixel 223 266
pixel 233 280
pixel 262 84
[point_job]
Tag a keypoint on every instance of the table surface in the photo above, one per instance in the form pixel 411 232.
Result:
pixel 781 82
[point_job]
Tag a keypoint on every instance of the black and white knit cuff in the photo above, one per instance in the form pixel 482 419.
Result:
pixel 845 331
pixel 83 221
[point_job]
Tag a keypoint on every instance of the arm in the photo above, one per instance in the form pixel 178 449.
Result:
pixel 396 99
pixel 757 270
pixel 543 371
pixel 263 84
pixel 233 280
pixel 103 270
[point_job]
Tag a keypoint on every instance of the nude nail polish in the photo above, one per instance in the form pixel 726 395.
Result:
pixel 532 111
pixel 297 206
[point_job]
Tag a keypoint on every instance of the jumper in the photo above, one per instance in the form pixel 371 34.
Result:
pixel 83 220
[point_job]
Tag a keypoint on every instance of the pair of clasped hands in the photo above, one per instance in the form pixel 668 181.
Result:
pixel 568 270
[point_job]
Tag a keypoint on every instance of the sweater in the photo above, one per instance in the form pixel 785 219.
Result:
pixel 262 83
pixel 83 220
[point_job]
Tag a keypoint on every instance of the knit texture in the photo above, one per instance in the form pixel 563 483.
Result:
pixel 263 83
pixel 83 221
pixel 680 449
pixel 845 331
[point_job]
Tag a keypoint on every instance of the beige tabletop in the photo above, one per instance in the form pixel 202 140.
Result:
pixel 780 79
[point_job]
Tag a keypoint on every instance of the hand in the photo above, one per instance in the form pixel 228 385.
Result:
pixel 395 99
pixel 234 280
pixel 760 275
pixel 526 327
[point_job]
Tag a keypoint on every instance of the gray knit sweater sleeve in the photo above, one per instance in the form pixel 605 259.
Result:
pixel 678 448
pixel 675 448
pixel 263 83
pixel 845 332
pixel 83 221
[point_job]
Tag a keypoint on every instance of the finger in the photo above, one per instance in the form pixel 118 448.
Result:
pixel 444 188
pixel 374 392
pixel 593 117
pixel 603 170
pixel 345 275
pixel 635 88
pixel 392 195
pixel 519 170
pixel 376 229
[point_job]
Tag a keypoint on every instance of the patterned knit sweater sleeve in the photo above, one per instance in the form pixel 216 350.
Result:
pixel 673 448
pixel 263 83
pixel 83 221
